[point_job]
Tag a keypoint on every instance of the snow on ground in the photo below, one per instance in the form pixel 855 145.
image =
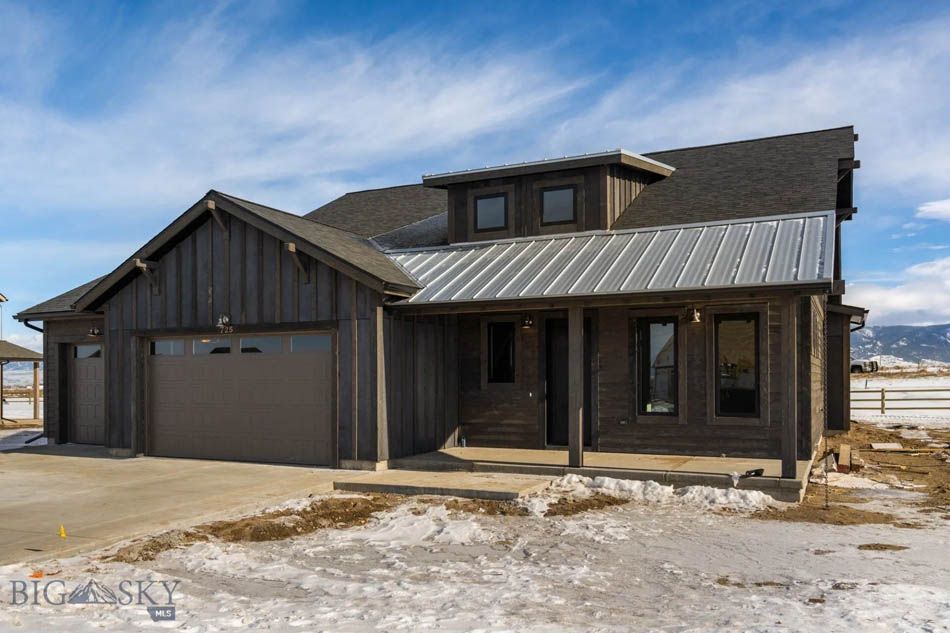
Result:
pixel 925 416
pixel 19 409
pixel 645 566
pixel 700 497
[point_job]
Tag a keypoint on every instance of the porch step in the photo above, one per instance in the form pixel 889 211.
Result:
pixel 492 487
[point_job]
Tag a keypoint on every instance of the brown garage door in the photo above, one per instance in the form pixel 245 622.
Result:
pixel 87 418
pixel 263 398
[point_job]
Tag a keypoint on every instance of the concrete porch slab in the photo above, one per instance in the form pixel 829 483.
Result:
pixel 493 487
pixel 677 470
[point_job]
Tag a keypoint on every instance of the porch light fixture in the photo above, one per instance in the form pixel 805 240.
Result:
pixel 695 316
pixel 94 331
pixel 527 321
pixel 224 324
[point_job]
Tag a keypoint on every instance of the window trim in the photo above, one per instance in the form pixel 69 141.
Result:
pixel 763 360
pixel 682 370
pixel 491 229
pixel 518 355
pixel 573 187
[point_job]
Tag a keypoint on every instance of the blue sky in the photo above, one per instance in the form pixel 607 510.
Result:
pixel 115 118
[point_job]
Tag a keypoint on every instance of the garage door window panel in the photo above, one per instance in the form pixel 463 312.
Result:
pixel 168 347
pixel 310 343
pixel 262 345
pixel 88 351
pixel 207 346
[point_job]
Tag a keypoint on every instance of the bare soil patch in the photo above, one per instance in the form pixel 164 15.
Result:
pixel 926 469
pixel 812 510
pixel 881 547
pixel 332 512
pixel 568 506
pixel 486 507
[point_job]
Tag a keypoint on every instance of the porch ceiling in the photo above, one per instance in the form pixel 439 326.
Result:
pixel 787 250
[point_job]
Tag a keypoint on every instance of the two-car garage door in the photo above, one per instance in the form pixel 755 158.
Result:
pixel 260 397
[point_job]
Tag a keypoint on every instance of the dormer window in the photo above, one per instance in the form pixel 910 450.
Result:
pixel 491 212
pixel 558 205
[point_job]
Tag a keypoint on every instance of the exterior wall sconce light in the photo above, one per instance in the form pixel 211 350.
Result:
pixel 224 324
pixel 94 332
pixel 695 316
pixel 527 321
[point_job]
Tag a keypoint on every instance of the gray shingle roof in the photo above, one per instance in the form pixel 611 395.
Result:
pixel 344 245
pixel 59 304
pixel 377 211
pixel 784 250
pixel 12 352
pixel 795 173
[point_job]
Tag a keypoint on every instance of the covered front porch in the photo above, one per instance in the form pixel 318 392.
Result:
pixel 677 470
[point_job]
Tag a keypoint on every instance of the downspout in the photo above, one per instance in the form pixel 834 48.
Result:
pixel 33 327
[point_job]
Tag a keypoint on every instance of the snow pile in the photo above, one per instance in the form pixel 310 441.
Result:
pixel 698 497
pixel 408 525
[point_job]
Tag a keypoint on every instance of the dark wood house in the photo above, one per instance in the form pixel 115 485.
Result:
pixel 679 302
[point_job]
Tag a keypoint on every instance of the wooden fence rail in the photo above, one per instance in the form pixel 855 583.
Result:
pixel 885 399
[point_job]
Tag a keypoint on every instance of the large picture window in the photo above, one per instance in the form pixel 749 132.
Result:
pixel 657 347
pixel 491 212
pixel 737 365
pixel 501 351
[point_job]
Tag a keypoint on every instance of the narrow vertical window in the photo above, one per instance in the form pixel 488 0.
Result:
pixel 501 352
pixel 657 359
pixel 737 365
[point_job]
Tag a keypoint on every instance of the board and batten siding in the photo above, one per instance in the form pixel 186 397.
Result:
pixel 247 274
pixel 59 335
pixel 421 369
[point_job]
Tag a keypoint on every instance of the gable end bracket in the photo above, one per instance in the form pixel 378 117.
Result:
pixel 291 248
pixel 150 270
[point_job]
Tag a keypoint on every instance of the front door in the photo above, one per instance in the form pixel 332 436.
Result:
pixel 87 416
pixel 556 392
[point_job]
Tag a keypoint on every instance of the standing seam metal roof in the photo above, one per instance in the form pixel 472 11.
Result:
pixel 777 250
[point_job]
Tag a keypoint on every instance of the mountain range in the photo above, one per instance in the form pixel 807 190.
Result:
pixel 912 343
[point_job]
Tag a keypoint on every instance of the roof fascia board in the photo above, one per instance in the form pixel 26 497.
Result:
pixel 659 296
pixel 304 245
pixel 90 300
pixel 619 156
pixel 55 316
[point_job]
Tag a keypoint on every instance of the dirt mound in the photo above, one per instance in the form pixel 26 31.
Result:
pixel 331 512
pixel 148 549
pixel 482 506
pixel 881 547
pixel 567 506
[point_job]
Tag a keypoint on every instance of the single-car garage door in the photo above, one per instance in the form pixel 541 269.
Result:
pixel 261 397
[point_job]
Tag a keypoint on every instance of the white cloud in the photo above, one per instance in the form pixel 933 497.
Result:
pixel 936 210
pixel 286 124
pixel 33 340
pixel 919 299
pixel 893 86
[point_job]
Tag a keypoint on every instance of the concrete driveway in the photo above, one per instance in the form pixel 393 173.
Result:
pixel 102 500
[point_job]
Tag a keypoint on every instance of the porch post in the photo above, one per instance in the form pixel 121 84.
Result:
pixel 575 379
pixel 36 390
pixel 790 419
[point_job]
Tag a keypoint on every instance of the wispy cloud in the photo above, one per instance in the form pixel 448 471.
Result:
pixel 936 210
pixel 892 86
pixel 290 123
pixel 916 300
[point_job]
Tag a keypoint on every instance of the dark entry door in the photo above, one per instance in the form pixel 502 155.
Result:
pixel 556 394
pixel 87 417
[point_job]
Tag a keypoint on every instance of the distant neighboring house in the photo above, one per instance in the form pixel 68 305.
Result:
pixel 685 302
